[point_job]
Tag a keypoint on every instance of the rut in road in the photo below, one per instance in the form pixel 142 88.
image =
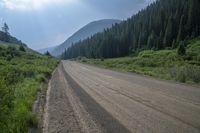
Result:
pixel 59 116
pixel 102 100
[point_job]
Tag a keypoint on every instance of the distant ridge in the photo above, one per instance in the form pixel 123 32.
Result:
pixel 44 50
pixel 85 32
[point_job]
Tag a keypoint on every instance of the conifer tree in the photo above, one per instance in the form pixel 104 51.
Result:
pixel 5 30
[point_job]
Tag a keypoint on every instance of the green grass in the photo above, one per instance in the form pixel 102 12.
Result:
pixel 21 74
pixel 163 64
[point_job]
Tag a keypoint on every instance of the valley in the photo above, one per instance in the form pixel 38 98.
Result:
pixel 74 66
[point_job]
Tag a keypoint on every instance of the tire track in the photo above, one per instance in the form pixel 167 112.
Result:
pixel 59 116
pixel 99 114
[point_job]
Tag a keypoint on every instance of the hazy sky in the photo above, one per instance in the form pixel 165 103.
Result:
pixel 46 23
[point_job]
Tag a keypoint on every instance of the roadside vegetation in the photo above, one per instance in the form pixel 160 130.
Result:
pixel 22 72
pixel 163 24
pixel 181 64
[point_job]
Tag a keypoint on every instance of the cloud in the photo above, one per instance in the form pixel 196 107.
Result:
pixel 31 4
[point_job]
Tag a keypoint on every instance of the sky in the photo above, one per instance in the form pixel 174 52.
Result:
pixel 46 23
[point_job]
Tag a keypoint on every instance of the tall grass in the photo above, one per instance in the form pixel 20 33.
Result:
pixel 21 74
pixel 164 64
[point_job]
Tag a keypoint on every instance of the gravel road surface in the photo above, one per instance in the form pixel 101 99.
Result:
pixel 87 99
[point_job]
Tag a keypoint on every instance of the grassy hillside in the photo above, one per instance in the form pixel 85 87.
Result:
pixel 21 74
pixel 164 64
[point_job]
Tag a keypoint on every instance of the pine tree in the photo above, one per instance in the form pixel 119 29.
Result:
pixel 151 40
pixel 5 29
pixel 47 54
pixel 181 30
pixel 174 44
pixel 191 16
pixel 168 34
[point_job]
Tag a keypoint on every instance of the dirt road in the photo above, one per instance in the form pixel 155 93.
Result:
pixel 83 98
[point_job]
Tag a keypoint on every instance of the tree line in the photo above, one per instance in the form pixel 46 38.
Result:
pixel 163 24
pixel 6 37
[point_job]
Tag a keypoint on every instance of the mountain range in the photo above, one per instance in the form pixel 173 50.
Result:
pixel 84 33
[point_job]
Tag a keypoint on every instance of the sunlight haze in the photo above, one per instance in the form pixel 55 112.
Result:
pixel 46 23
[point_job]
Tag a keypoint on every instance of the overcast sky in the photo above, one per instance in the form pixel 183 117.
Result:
pixel 46 23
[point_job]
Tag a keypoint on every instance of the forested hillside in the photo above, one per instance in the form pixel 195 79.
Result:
pixel 11 39
pixel 163 24
pixel 85 32
pixel 6 37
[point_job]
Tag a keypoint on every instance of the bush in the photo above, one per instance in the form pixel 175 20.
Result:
pixel 21 48
pixel 146 62
pixel 193 72
pixel 102 59
pixel 48 54
pixel 32 120
pixel 40 78
pixel 20 78
pixel 12 51
pixel 186 73
pixel 181 49
pixel 181 75
pixel 9 58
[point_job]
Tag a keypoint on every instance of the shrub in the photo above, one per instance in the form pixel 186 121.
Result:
pixel 181 75
pixel 9 58
pixel 20 78
pixel 12 51
pixel 181 49
pixel 21 48
pixel 48 54
pixel 40 78
pixel 6 104
pixel 186 73
pixel 193 72
pixel 32 120
pixel 146 62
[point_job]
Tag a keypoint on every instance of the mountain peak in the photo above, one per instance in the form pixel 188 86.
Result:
pixel 85 32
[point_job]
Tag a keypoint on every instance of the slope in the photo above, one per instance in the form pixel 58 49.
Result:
pixel 12 39
pixel 163 24
pixel 23 72
pixel 85 32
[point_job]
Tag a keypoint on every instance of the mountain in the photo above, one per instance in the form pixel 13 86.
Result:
pixel 50 49
pixel 162 25
pixel 85 32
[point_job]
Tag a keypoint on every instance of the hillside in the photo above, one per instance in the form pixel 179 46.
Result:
pixel 163 24
pixel 12 39
pixel 85 32
pixel 164 64
pixel 23 73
